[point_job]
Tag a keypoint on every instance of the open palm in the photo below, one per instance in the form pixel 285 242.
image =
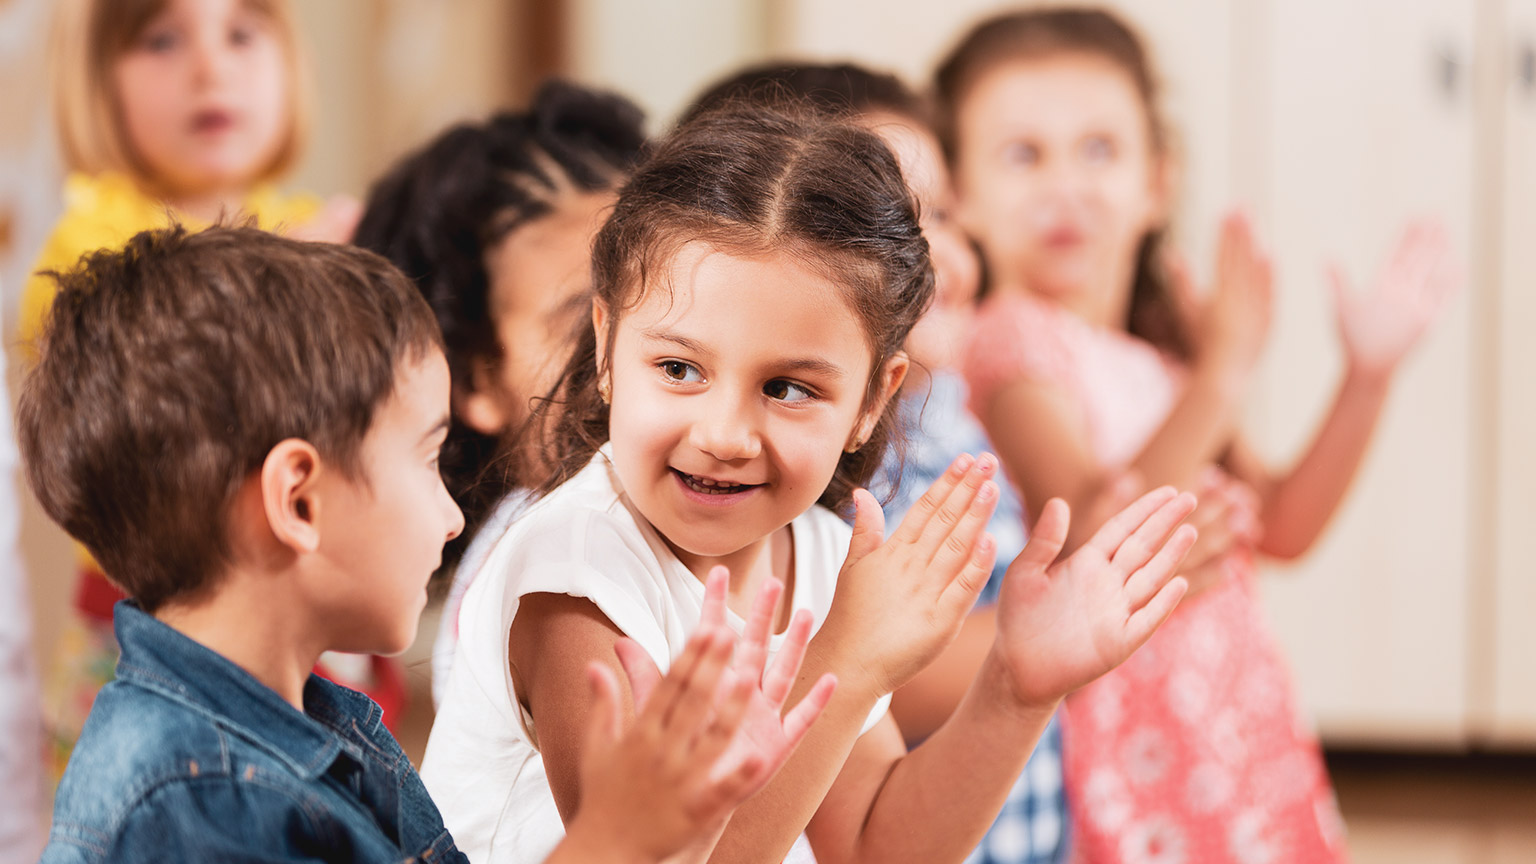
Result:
pixel 767 734
pixel 1061 625
pixel 1379 326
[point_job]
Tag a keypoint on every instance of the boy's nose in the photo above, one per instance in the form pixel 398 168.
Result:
pixel 455 517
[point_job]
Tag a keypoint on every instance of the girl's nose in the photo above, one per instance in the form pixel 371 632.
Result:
pixel 211 56
pixel 726 431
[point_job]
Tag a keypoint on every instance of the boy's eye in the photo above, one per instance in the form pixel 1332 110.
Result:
pixel 677 370
pixel 785 391
pixel 1099 148
pixel 241 36
pixel 1021 153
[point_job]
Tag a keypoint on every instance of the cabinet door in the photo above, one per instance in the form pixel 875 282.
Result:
pixel 1368 111
pixel 1514 601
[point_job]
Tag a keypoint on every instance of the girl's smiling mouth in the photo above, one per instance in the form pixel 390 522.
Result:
pixel 712 488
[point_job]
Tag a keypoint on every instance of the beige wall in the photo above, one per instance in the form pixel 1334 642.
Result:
pixel 1318 115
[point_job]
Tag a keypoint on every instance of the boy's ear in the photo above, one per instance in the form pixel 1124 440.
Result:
pixel 891 377
pixel 289 478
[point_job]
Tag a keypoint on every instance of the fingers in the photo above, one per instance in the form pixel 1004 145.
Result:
pixel 1120 526
pixel 786 664
pixel 916 520
pixel 1149 537
pixel 604 723
pixel 752 652
pixel 953 528
pixel 799 718
pixel 1186 296
pixel 961 593
pixel 868 526
pixel 1143 622
pixel 639 669
pixel 1045 541
pixel 715 586
pixel 696 688
pixel 666 693
pixel 728 712
pixel 1150 578
pixel 958 548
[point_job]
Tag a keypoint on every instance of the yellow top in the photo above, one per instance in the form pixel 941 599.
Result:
pixel 104 210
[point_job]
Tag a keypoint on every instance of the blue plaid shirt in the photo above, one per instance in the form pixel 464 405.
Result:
pixel 1032 827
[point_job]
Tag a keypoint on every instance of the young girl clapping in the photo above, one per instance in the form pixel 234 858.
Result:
pixel 754 288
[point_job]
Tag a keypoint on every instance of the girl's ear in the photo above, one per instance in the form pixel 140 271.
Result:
pixel 1163 181
pixel 600 330
pixel 289 494
pixel 891 376
pixel 484 406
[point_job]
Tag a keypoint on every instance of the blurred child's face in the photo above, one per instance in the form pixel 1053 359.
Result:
pixel 384 533
pixel 734 395
pixel 536 272
pixel 938 338
pixel 1056 173
pixel 202 93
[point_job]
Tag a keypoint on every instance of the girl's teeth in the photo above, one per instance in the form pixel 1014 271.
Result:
pixel 713 487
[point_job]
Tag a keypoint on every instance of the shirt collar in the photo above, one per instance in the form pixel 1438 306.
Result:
pixel 157 657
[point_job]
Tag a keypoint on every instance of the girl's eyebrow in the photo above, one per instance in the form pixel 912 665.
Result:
pixel 679 340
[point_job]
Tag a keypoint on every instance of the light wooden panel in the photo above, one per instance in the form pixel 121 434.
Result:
pixel 662 53
pixel 1514 577
pixel 1369 121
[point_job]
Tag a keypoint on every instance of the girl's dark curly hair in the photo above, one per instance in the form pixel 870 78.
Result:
pixel 438 213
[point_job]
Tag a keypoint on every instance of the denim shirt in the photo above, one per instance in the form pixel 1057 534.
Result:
pixel 186 757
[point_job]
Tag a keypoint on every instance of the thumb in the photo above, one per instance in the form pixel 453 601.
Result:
pixel 1045 541
pixel 1339 293
pixel 868 526
pixel 603 723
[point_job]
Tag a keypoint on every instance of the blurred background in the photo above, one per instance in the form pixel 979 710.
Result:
pixel 1332 121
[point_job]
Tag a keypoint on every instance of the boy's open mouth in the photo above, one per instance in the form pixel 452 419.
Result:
pixel 708 486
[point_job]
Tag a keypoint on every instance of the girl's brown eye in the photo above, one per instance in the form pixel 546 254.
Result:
pixel 677 370
pixel 785 391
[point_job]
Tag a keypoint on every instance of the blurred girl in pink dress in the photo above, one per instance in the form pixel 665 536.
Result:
pixel 1094 356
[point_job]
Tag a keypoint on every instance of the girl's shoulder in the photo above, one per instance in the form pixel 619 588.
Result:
pixel 585 513
pixel 1020 336
pixel 276 210
pixel 100 211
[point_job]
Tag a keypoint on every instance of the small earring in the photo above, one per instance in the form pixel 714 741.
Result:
pixel 605 392
pixel 855 446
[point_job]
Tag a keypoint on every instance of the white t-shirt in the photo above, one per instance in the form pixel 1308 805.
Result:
pixel 470 565
pixel 585 539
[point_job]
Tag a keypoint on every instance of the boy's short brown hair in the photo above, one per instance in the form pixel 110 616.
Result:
pixel 168 371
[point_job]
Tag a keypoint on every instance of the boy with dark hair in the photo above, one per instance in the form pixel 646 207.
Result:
pixel 244 430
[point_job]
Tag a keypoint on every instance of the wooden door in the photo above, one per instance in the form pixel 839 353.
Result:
pixel 1368 120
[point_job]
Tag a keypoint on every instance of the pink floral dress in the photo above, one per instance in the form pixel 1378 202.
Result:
pixel 1192 751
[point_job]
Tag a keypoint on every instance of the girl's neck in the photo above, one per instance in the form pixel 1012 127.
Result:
pixel 1105 307
pixel 207 206
pixel 751 566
